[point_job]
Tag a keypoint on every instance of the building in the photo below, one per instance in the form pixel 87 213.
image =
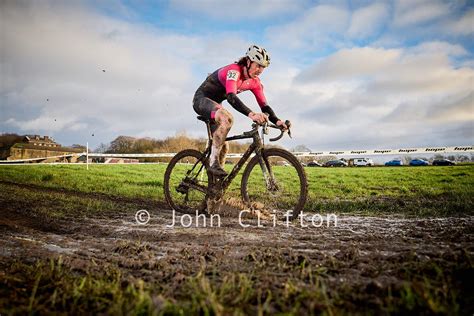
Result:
pixel 15 147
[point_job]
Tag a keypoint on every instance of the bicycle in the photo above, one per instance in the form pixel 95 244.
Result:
pixel 273 180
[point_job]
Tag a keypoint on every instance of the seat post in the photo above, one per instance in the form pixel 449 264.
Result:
pixel 208 125
pixel 209 134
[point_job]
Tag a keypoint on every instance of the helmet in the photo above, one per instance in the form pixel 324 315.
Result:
pixel 259 55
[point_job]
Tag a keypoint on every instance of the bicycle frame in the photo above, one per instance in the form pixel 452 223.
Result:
pixel 223 183
pixel 256 146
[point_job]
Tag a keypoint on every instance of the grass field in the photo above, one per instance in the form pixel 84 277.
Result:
pixel 71 245
pixel 419 191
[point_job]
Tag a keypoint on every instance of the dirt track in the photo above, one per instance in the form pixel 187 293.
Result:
pixel 359 259
pixel 367 253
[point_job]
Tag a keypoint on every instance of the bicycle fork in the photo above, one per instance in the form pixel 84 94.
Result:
pixel 267 173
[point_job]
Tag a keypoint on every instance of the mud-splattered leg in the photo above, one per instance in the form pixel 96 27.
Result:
pixel 219 148
pixel 223 153
pixel 224 121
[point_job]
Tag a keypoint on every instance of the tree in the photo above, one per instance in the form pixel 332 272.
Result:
pixel 122 144
pixel 143 145
pixel 300 148
pixel 9 139
pixel 102 148
pixel 79 146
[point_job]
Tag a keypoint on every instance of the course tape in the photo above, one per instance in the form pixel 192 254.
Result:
pixel 40 159
pixel 400 151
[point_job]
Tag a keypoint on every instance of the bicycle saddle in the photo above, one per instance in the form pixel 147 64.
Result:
pixel 204 119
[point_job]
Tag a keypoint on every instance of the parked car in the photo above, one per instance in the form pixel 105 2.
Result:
pixel 313 164
pixel 443 162
pixel 418 162
pixel 335 163
pixel 394 162
pixel 361 162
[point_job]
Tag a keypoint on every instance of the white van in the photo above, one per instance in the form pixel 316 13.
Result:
pixel 359 162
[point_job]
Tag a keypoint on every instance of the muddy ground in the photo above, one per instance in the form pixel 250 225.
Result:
pixel 387 264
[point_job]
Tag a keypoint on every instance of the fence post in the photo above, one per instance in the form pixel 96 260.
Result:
pixel 87 156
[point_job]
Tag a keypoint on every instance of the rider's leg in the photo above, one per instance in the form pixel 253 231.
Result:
pixel 223 153
pixel 224 121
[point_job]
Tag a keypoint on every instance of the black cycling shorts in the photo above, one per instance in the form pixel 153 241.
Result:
pixel 203 105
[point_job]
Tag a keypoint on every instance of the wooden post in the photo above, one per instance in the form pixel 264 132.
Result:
pixel 87 155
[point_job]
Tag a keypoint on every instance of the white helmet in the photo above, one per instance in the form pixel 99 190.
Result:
pixel 259 55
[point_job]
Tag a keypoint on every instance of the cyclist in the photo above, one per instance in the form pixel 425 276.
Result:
pixel 224 84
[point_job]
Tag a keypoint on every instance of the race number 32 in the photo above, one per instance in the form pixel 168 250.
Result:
pixel 232 75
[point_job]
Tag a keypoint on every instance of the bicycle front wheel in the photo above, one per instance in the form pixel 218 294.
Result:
pixel 186 182
pixel 275 182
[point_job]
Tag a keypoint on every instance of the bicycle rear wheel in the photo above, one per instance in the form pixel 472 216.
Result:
pixel 278 186
pixel 186 182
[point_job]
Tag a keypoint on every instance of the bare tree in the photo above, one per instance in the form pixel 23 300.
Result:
pixel 122 144
pixel 102 148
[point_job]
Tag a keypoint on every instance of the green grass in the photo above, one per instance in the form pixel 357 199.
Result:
pixel 418 191
pixel 274 284
pixel 136 181
pixel 51 205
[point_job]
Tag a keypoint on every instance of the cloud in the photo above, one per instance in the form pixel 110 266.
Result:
pixel 431 20
pixel 344 75
pixel 39 123
pixel 244 9
pixel 421 70
pixel 70 69
pixel 354 92
pixel 313 29
pixel 350 63
pixel 439 47
pixel 459 109
pixel 410 12
pixel 461 26
pixel 368 21
pixel 330 26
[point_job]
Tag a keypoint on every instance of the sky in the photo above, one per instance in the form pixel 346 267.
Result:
pixel 348 74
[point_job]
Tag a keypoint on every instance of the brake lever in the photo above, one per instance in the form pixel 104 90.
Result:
pixel 265 128
pixel 288 124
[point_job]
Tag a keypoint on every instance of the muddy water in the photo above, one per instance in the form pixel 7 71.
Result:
pixel 378 238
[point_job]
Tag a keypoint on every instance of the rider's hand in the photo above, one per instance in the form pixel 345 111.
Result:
pixel 282 125
pixel 259 118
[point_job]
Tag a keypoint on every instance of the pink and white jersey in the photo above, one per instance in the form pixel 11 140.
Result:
pixel 231 77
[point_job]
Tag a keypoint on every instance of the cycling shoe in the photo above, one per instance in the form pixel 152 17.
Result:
pixel 217 171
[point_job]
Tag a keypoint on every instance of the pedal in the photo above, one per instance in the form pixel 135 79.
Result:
pixel 182 188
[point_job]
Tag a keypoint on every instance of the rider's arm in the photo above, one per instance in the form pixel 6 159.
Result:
pixel 271 115
pixel 237 104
